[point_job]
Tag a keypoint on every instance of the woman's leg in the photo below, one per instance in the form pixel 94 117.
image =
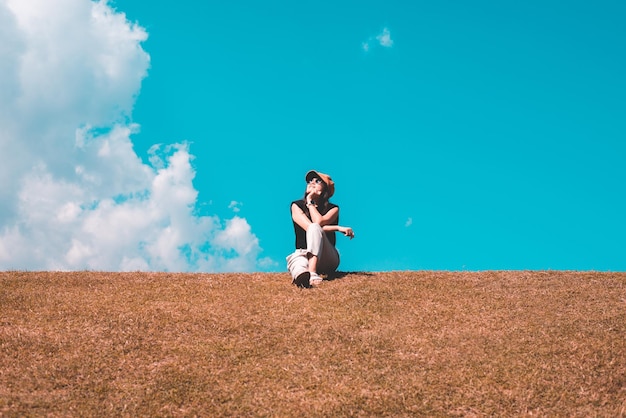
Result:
pixel 298 266
pixel 323 256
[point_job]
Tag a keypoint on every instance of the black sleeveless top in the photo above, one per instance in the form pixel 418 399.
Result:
pixel 301 233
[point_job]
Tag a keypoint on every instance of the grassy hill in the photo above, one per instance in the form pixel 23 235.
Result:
pixel 499 343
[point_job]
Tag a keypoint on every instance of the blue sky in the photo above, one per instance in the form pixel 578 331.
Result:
pixel 480 136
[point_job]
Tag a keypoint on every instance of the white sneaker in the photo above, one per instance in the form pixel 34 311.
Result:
pixel 315 279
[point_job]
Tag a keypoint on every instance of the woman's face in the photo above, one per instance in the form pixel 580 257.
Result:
pixel 315 186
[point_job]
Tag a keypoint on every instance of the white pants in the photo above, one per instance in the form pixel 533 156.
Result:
pixel 319 245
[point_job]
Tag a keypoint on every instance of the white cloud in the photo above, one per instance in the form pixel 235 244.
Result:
pixel 235 206
pixel 383 39
pixel 75 195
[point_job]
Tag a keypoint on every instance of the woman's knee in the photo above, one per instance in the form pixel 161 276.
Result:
pixel 314 231
pixel 314 228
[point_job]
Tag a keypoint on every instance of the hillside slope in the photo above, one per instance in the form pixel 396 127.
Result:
pixel 365 344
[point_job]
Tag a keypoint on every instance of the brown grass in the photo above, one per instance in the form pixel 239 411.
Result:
pixel 379 344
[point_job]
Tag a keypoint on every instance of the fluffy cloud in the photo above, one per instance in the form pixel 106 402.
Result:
pixel 383 39
pixel 75 195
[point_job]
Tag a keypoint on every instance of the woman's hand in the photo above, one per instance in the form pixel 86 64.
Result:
pixel 347 231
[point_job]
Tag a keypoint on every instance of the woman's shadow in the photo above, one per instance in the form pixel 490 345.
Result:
pixel 341 274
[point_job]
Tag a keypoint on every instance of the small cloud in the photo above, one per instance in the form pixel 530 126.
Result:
pixel 267 263
pixel 235 206
pixel 408 222
pixel 383 39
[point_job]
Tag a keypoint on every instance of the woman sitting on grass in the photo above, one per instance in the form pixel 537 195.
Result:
pixel 315 221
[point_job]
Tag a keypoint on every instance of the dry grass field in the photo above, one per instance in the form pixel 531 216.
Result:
pixel 510 343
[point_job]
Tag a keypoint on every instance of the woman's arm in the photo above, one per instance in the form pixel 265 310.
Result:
pixel 299 217
pixel 346 230
pixel 323 220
